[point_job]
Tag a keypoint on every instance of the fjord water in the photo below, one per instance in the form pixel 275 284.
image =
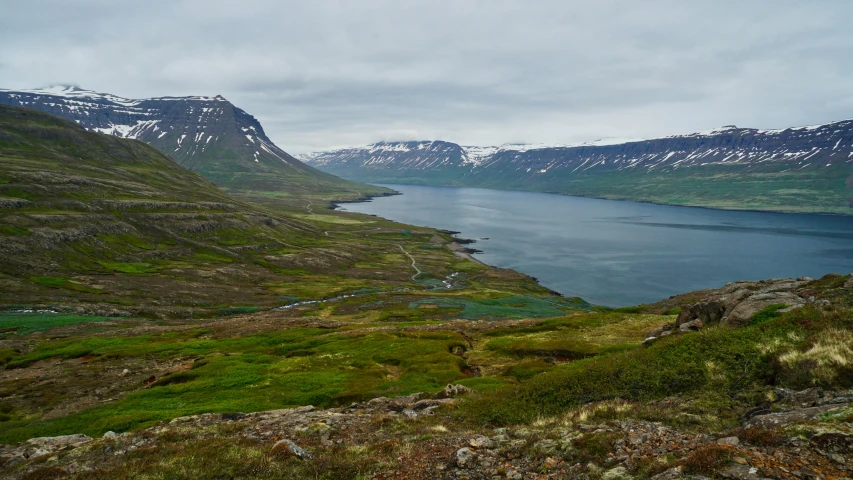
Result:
pixel 619 253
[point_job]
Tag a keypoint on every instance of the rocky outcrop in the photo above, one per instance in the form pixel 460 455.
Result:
pixel 40 447
pixel 735 304
pixel 615 450
pixel 805 405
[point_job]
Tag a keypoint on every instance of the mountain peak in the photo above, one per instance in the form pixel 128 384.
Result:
pixel 208 135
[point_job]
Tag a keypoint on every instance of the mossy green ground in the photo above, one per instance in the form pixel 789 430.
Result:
pixel 524 370
pixel 725 370
pixel 267 369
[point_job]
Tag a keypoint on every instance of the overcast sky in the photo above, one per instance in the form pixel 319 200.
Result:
pixel 321 74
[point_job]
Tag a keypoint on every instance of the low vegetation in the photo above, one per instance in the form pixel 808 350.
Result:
pixel 127 302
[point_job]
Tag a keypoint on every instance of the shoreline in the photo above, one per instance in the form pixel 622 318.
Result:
pixel 458 247
pixel 615 199
pixel 334 204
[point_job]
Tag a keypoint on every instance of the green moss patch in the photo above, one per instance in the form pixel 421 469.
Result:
pixel 26 323
pixel 62 282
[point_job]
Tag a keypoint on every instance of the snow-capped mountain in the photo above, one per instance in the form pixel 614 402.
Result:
pixel 813 146
pixel 797 158
pixel 205 134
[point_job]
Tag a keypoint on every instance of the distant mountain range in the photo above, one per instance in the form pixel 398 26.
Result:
pixel 800 169
pixel 208 135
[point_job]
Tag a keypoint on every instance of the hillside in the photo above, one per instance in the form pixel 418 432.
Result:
pixel 113 226
pixel 802 169
pixel 153 326
pixel 207 135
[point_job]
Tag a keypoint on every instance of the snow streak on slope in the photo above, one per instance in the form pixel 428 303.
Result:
pixel 816 146
pixel 186 128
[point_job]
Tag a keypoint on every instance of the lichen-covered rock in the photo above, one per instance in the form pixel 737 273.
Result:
pixel 675 473
pixel 465 458
pixel 292 448
pixel 775 420
pixel 454 390
pixel 745 310
pixel 692 326
pixel 481 441
pixel 618 473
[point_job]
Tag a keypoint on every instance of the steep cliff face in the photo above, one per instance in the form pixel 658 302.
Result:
pixel 208 135
pixel 794 169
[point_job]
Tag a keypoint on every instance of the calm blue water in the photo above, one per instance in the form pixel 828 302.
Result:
pixel 624 253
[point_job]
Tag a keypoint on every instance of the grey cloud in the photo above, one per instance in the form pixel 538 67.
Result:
pixel 331 73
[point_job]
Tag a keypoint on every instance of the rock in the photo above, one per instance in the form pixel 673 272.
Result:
pixel 14 461
pixel 833 442
pixel 425 407
pixel 737 471
pixel 656 332
pixel 805 279
pixel 513 474
pixel 292 448
pixel 732 298
pixel 428 404
pixel 465 458
pixel 742 313
pixel 40 453
pixel 52 444
pixel 451 391
pixel 546 446
pixel 649 340
pixel 671 474
pixel 125 372
pixel 685 315
pixel 788 309
pixel 694 326
pixel 618 473
pixel 398 404
pixel 849 282
pixel 803 398
pixel 733 441
pixel 481 441
pixel 774 420
pixel 710 312
pixel 762 409
pixel 660 330
pixel 110 434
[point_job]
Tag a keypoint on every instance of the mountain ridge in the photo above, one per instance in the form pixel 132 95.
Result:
pixel 798 169
pixel 208 135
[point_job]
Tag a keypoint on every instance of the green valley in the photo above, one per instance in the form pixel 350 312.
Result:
pixel 153 326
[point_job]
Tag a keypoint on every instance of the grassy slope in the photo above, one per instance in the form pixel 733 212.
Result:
pixel 720 372
pixel 108 225
pixel 273 181
pixel 93 224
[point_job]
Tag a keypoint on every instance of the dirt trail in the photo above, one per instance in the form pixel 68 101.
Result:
pixel 414 264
